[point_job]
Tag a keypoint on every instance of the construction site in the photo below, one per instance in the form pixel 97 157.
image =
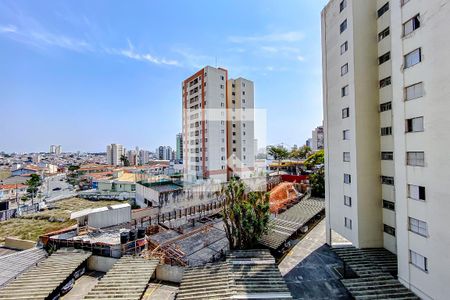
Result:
pixel 117 252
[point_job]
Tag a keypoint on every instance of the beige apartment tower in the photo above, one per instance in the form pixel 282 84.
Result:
pixel 386 86
pixel 212 131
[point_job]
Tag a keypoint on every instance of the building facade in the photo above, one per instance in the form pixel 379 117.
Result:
pixel 113 154
pixel 240 127
pixel 385 80
pixel 179 147
pixel 164 152
pixel 213 128
pixel 317 140
pixel 55 149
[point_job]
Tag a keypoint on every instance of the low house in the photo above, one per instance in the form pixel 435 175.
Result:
pixel 158 194
pixel 103 216
pixel 12 191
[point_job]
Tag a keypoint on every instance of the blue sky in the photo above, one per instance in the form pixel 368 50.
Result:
pixel 84 74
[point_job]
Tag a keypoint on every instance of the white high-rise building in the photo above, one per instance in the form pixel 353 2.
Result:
pixel 317 140
pixel 213 128
pixel 240 129
pixel 144 157
pixel 55 149
pixel 386 73
pixel 113 154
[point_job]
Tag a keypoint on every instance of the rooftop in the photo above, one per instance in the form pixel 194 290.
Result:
pixel 127 279
pixel 43 280
pixel 162 186
pixel 246 274
pixel 88 211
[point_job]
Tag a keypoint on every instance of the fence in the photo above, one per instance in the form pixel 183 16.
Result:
pixel 21 211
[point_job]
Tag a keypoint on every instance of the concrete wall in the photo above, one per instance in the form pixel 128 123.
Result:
pixel 101 263
pixel 19 244
pixel 110 217
pixel 169 273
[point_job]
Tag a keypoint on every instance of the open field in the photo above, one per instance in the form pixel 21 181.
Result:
pixel 30 227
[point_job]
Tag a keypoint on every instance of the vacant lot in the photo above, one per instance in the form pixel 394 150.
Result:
pixel 30 227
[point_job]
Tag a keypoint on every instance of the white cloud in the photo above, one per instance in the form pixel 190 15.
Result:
pixel 291 36
pixel 132 54
pixel 300 58
pixel 8 29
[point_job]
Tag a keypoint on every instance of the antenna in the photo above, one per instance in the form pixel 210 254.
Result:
pixel 216 61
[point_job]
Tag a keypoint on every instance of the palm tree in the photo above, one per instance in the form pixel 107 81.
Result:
pixel 278 153
pixel 245 215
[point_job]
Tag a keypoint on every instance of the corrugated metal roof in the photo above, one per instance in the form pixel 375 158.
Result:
pixel 41 281
pixel 14 264
pixel 284 225
pixel 246 274
pixel 127 279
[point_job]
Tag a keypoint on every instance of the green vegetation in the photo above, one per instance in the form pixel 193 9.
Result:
pixel 31 226
pixel 124 160
pixel 245 215
pixel 300 153
pixel 315 162
pixel 33 185
pixel 278 153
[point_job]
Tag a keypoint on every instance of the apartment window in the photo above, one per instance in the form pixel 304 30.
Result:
pixel 418 226
pixel 346 156
pixel 383 34
pixel 385 106
pixel 344 69
pixel 345 113
pixel 386 131
pixel 411 25
pixel 404 2
pixel 418 260
pixel 413 58
pixel 221 86
pixel 347 201
pixel 222 78
pixel 389 229
pixel 414 124
pixel 342 5
pixel 344 91
pixel 383 9
pixel 346 134
pixel 384 58
pixel 414 91
pixel 388 205
pixel 344 47
pixel 415 159
pixel 387 155
pixel 387 180
pixel 347 178
pixel 343 26
pixel 385 82
pixel 348 222
pixel 416 192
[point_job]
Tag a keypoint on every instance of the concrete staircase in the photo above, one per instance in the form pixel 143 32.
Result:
pixel 375 268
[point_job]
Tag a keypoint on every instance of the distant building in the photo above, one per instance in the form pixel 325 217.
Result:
pixel 133 157
pixel 240 129
pixel 144 157
pixel 55 149
pixel 164 152
pixel 217 142
pixel 309 142
pixel 113 154
pixel 317 141
pixel 179 147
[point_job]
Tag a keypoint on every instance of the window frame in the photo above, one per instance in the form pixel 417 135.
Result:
pixel 414 86
pixel 408 61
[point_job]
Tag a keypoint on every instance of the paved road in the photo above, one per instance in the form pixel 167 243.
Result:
pixel 308 268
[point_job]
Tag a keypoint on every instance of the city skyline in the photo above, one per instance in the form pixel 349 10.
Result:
pixel 100 79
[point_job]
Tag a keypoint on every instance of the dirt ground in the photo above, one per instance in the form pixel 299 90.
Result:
pixel 31 226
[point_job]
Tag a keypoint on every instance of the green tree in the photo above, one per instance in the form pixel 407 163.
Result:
pixel 124 160
pixel 315 160
pixel 245 215
pixel 33 185
pixel 73 168
pixel 300 153
pixel 317 183
pixel 278 153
